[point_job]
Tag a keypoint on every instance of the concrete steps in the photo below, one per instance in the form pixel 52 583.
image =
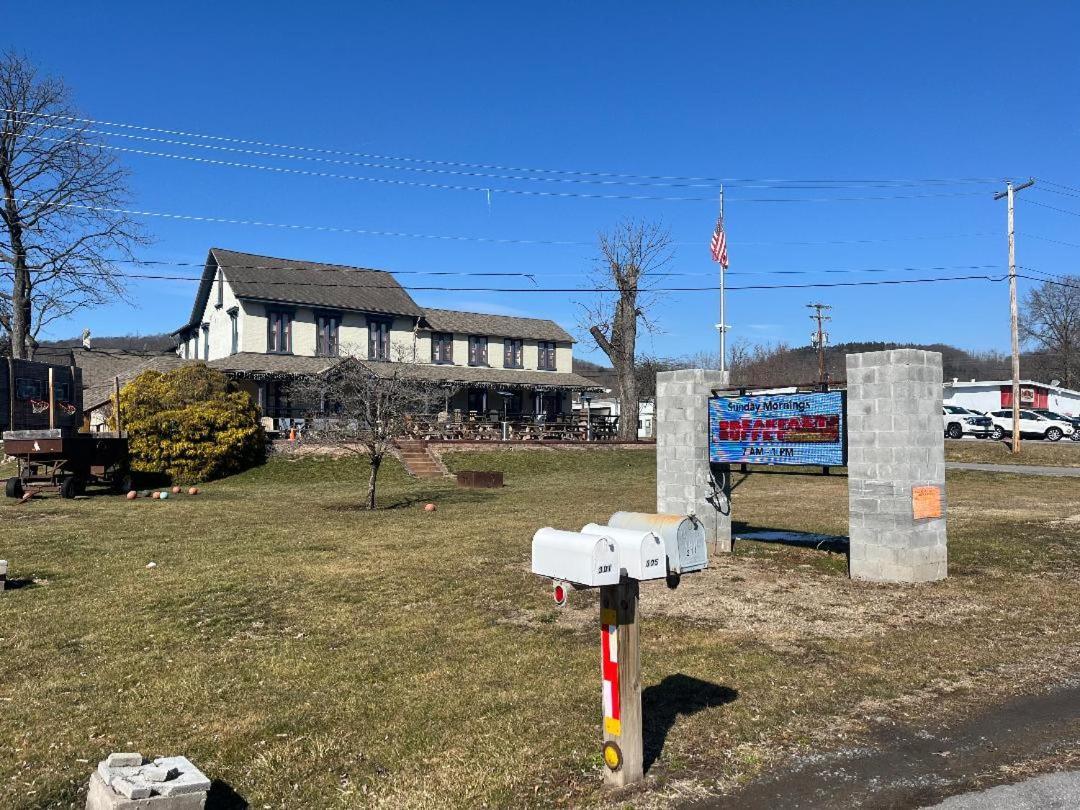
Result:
pixel 418 460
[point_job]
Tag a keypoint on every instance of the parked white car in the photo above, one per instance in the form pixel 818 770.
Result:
pixel 1032 424
pixel 960 422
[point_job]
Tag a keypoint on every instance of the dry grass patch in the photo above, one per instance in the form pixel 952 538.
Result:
pixel 311 654
pixel 1065 453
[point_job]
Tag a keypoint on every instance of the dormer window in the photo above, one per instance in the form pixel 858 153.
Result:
pixel 326 335
pixel 478 346
pixel 279 332
pixel 378 339
pixel 513 353
pixel 442 347
pixel 545 360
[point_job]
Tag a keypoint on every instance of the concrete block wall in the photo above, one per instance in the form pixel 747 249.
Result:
pixel 683 479
pixel 895 443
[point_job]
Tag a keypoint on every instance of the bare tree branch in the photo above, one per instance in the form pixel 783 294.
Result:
pixel 58 237
pixel 631 256
pixel 1050 323
pixel 363 406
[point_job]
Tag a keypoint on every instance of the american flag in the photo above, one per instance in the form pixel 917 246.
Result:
pixel 718 245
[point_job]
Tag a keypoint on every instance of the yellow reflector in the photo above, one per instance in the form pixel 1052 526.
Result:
pixel 612 756
pixel 612 726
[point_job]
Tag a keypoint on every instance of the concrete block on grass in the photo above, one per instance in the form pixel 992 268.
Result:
pixel 102 797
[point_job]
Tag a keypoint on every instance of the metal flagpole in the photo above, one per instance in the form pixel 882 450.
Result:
pixel 723 324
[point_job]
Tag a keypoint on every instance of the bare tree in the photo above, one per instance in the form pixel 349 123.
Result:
pixel 630 255
pixel 363 407
pixel 1050 322
pixel 60 230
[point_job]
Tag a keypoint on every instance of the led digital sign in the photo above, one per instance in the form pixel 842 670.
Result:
pixel 778 429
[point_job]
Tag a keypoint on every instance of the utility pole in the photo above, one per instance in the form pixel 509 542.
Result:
pixel 821 337
pixel 1014 316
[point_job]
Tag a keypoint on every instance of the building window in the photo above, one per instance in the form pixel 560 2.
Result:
pixel 478 400
pixel 378 341
pixel 512 353
pixel 326 336
pixel 279 332
pixel 220 290
pixel 442 347
pixel 545 355
pixel 478 351
pixel 234 325
pixel 206 341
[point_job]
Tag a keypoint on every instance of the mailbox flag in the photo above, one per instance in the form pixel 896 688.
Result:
pixel 718 245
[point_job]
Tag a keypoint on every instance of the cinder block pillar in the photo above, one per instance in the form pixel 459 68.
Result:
pixel 684 482
pixel 896 466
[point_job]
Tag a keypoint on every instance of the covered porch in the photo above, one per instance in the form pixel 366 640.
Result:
pixel 479 403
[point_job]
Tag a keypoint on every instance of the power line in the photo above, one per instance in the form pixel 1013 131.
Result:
pixel 451 237
pixel 432 288
pixel 709 183
pixel 488 190
pixel 509 273
pixel 1053 208
pixel 1047 239
pixel 488 166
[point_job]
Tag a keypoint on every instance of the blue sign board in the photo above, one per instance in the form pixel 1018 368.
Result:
pixel 806 429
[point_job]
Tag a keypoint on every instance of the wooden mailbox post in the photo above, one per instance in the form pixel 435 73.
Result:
pixel 620 671
pixel 615 558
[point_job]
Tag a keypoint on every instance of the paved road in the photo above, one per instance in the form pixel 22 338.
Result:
pixel 1052 791
pixel 921 761
pixel 1018 469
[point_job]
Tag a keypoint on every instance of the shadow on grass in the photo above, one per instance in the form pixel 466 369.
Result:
pixel 223 797
pixel 405 501
pixel 662 703
pixel 760 534
pixel 16 584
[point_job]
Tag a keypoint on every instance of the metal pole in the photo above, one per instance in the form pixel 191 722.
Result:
pixel 723 323
pixel 1014 315
pixel 52 400
pixel 1014 324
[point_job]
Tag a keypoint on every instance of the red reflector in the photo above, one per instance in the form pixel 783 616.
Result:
pixel 560 594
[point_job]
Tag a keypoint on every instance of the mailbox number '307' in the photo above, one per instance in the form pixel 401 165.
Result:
pixel 603 569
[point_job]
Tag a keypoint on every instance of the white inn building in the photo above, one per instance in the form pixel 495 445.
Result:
pixel 264 320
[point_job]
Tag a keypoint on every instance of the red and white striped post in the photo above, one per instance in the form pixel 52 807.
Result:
pixel 620 670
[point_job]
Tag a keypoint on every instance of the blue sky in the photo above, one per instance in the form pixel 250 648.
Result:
pixel 798 91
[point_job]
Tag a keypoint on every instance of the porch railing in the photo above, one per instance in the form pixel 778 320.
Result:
pixel 496 427
pixel 458 426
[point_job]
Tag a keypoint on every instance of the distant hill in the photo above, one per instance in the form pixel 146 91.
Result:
pixel 149 344
pixel 602 375
pixel 780 365
pixel 784 365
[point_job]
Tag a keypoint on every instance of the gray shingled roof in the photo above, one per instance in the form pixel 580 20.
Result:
pixel 282 364
pixel 296 281
pixel 100 384
pixel 254 362
pixel 477 323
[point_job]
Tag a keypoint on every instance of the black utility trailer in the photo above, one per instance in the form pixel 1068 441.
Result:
pixel 43 428
pixel 49 460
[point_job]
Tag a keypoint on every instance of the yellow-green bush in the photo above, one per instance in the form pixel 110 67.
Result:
pixel 190 424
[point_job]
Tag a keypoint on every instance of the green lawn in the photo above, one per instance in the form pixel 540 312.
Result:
pixel 311 654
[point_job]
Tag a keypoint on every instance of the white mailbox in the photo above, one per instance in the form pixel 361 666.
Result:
pixel 581 559
pixel 641 553
pixel 683 537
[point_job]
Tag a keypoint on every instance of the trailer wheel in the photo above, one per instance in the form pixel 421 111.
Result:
pixel 71 487
pixel 14 488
